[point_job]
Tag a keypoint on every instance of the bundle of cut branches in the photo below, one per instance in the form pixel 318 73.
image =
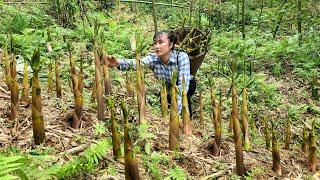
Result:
pixel 195 43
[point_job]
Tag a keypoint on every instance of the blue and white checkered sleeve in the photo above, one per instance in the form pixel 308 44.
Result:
pixel 125 64
pixel 184 72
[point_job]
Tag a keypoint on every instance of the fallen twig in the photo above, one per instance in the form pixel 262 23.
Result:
pixel 4 96
pixel 215 175
pixel 4 91
pixel 77 149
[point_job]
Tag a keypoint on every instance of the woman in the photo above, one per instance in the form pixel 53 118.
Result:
pixel 163 62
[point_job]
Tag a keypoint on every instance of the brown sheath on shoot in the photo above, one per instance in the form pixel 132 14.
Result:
pixel 174 116
pixel 267 133
pixel 305 139
pixel 312 159
pixel 141 92
pixel 78 100
pixel 37 117
pixel 236 133
pixel 106 75
pixel 218 124
pixel 58 83
pixel 25 90
pixel 245 118
pixel 81 76
pixel 50 79
pixel 14 89
pixel 288 135
pixel 131 163
pixel 276 167
pixel 164 100
pixel 99 85
pixel 185 110
pixel 130 84
pixel 6 60
pixel 116 142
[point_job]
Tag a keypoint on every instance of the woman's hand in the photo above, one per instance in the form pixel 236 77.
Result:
pixel 111 61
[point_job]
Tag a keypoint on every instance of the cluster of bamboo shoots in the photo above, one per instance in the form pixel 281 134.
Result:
pixel 309 145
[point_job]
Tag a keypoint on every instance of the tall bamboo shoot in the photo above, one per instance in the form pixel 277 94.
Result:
pixel 174 117
pixel 185 111
pixel 275 153
pixel 116 142
pixel 312 159
pixel 14 89
pixel 131 163
pixel 245 123
pixel 236 133
pixel 37 117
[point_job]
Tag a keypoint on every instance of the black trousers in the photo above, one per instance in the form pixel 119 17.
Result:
pixel 191 91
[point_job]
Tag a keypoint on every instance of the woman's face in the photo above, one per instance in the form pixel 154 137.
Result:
pixel 162 45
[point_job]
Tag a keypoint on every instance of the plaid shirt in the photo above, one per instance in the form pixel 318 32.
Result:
pixel 163 71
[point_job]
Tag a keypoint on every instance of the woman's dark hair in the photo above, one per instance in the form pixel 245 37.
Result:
pixel 171 36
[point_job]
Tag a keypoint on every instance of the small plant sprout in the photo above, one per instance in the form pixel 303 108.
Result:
pixel 201 113
pixel 288 134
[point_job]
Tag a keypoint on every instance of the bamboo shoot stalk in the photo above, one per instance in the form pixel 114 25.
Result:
pixel 129 84
pixel 275 153
pixel 267 133
pixel 218 123
pixel 312 159
pixel 78 100
pixel 116 142
pixel 99 86
pixel 185 111
pixel 14 90
pixel 25 89
pixel 305 139
pixel 58 83
pixel 50 79
pixel 288 135
pixel 131 163
pixel 7 68
pixel 81 76
pixel 201 104
pixel 141 94
pixel 245 123
pixel 106 75
pixel 93 92
pixel 240 168
pixel 174 117
pixel 37 116
pixel 164 100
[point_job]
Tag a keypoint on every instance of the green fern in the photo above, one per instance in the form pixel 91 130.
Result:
pixel 9 166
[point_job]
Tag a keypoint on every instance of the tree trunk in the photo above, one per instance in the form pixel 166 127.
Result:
pixel 155 17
